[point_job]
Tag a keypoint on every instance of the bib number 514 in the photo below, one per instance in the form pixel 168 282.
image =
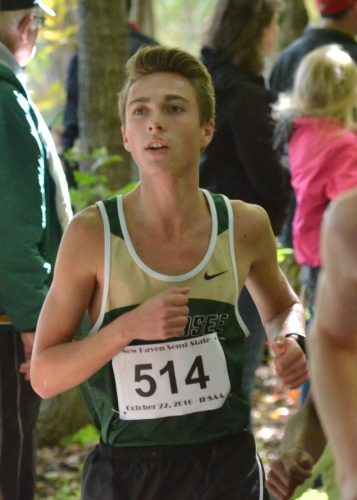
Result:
pixel 195 375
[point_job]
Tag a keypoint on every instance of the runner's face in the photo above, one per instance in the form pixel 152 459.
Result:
pixel 162 125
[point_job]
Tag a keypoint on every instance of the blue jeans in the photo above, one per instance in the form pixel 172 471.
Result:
pixel 308 277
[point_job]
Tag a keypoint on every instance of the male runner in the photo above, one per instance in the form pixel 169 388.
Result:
pixel 159 272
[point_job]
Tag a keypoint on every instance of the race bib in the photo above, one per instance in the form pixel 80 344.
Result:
pixel 170 379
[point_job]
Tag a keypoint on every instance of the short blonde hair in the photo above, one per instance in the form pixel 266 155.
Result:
pixel 149 60
pixel 325 85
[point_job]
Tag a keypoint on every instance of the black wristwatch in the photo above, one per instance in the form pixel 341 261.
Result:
pixel 300 339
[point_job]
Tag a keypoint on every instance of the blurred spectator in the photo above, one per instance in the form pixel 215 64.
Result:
pixel 240 162
pixel 338 24
pixel 35 208
pixel 320 123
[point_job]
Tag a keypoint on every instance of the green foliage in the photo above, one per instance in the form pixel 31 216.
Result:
pixel 92 184
pixel 67 490
pixel 181 23
pixel 67 487
pixel 47 71
pixel 312 11
pixel 90 189
pixel 290 268
pixel 314 495
pixel 284 254
pixel 98 158
pixel 87 435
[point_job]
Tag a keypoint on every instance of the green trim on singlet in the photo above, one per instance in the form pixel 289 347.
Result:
pixel 222 214
pixel 111 206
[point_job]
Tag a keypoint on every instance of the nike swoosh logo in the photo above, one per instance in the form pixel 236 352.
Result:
pixel 211 276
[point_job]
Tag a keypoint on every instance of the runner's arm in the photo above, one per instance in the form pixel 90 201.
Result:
pixel 277 303
pixel 58 362
pixel 333 340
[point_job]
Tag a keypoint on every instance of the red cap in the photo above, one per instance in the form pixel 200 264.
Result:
pixel 331 7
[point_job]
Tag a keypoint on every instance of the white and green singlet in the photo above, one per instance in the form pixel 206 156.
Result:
pixel 182 391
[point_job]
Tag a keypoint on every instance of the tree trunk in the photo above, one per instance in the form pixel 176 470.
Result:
pixel 102 48
pixel 293 20
pixel 60 417
pixel 102 44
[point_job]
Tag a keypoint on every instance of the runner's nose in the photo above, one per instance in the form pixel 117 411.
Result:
pixel 155 125
pixel 156 121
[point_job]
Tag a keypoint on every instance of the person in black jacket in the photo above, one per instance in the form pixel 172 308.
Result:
pixel 241 162
pixel 338 25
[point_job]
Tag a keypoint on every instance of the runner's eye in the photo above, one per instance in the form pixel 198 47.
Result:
pixel 139 111
pixel 175 109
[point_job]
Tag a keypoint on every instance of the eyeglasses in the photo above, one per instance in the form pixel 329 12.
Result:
pixel 38 21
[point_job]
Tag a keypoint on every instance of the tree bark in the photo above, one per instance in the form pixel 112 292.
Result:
pixel 102 49
pixel 102 44
pixel 293 20
pixel 61 416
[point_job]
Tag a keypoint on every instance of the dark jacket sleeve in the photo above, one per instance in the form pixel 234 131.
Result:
pixel 70 120
pixel 23 269
pixel 282 76
pixel 253 127
pixel 278 81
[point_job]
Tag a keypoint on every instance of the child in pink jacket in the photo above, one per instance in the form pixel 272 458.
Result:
pixel 322 146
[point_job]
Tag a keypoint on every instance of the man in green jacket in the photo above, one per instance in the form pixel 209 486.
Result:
pixel 35 208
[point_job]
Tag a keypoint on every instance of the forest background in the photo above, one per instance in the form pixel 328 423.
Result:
pixel 179 23
pixel 97 31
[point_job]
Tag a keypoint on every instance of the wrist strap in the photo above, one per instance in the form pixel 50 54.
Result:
pixel 299 338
